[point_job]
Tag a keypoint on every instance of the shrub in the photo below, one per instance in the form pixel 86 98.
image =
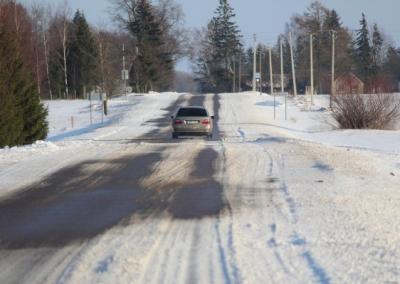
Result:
pixel 375 111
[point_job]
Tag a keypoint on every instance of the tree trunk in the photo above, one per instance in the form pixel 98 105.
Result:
pixel 16 17
pixel 46 58
pixel 65 57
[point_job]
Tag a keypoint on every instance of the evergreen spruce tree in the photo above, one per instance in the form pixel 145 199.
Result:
pixel 34 115
pixel 311 22
pixel 203 65
pixel 363 51
pixel 377 44
pixel 22 116
pixel 319 21
pixel 343 57
pixel 391 65
pixel 83 57
pixel 225 46
pixel 332 21
pixel 56 73
pixel 11 121
pixel 153 69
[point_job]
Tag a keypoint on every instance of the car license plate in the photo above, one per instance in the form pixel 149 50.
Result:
pixel 191 122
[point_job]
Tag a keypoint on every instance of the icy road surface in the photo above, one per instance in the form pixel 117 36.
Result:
pixel 125 203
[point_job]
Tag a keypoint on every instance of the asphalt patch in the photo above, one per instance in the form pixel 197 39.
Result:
pixel 203 197
pixel 74 204
pixel 322 167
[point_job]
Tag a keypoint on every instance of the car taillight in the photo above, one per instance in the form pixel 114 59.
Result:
pixel 206 121
pixel 178 121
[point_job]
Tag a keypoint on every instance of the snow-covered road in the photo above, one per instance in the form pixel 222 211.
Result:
pixel 125 203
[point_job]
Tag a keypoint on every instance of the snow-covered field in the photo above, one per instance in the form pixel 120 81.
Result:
pixel 271 201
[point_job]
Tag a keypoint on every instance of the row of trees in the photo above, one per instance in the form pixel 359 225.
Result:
pixel 58 55
pixel 68 58
pixel 367 52
pixel 61 53
pixel 72 58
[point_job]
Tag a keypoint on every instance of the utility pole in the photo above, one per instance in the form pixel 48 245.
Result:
pixel 293 68
pixel 234 76
pixel 312 67
pixel 124 70
pixel 333 69
pixel 240 72
pixel 254 63
pixel 137 71
pixel 282 79
pixel 271 80
pixel 260 66
pixel 103 99
pixel 46 57
pixel 90 104
pixel 64 44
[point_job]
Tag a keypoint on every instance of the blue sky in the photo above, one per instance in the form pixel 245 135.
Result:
pixel 267 18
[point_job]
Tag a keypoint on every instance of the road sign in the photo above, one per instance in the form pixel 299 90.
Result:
pixel 125 75
pixel 258 76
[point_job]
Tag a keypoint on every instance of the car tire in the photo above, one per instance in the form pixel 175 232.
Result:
pixel 175 136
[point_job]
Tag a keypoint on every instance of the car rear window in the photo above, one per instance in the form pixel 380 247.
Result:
pixel 192 112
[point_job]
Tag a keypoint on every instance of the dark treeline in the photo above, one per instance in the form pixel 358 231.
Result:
pixel 68 58
pixel 367 52
pixel 65 56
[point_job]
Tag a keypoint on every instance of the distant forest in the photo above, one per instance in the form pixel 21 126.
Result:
pixel 68 58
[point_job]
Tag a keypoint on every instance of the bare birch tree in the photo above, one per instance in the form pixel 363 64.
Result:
pixel 65 12
pixel 41 15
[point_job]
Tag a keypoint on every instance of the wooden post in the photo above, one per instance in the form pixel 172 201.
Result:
pixel 293 67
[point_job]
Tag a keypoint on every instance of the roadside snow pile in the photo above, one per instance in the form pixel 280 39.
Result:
pixel 16 154
pixel 38 146
pixel 378 140
pixel 306 120
pixel 72 118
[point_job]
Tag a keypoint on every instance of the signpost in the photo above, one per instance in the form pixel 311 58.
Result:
pixel 125 75
pixel 125 72
pixel 258 77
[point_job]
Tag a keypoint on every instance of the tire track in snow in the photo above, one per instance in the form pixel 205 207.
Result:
pixel 194 255
pixel 228 258
pixel 272 243
pixel 319 273
pixel 288 212
pixel 198 197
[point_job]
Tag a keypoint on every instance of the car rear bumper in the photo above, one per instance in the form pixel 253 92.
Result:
pixel 192 129
pixel 192 133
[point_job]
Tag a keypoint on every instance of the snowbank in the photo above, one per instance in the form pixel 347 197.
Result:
pixel 313 122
